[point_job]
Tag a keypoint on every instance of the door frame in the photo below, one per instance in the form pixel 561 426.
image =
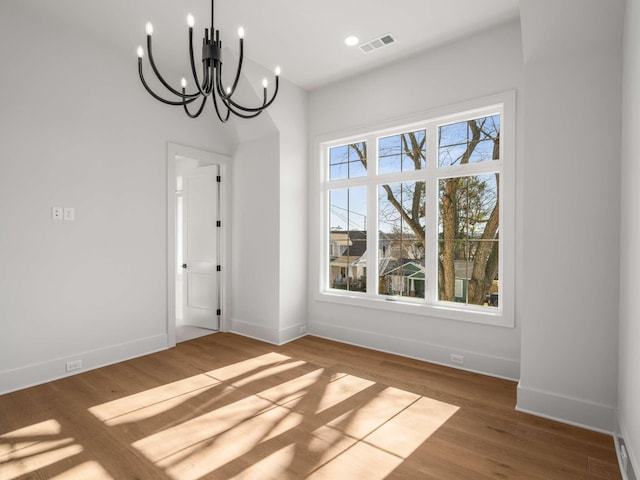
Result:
pixel 175 154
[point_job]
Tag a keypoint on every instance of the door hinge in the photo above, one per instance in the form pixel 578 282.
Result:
pixel 219 268
pixel 218 312
pixel 218 179
pixel 218 223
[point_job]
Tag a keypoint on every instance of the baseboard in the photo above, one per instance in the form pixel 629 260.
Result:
pixel 255 331
pixel 292 333
pixel 573 411
pixel 473 361
pixel 273 336
pixel 36 374
pixel 628 473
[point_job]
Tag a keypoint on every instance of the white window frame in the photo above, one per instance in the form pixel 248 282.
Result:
pixel 430 306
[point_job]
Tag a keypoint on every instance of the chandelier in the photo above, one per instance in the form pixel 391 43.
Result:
pixel 209 84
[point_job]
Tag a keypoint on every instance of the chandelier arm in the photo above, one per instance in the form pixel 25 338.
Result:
pixel 218 84
pixel 238 113
pixel 265 103
pixel 223 94
pixel 215 104
pixel 207 69
pixel 193 66
pixel 185 101
pixel 225 101
pixel 230 104
pixel 199 111
pixel 162 80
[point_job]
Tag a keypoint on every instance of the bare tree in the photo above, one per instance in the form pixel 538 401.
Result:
pixel 464 212
pixel 483 253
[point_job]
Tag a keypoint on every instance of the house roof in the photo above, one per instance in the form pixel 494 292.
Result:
pixel 357 247
pixel 408 267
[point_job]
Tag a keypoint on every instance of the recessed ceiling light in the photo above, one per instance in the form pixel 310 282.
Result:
pixel 351 41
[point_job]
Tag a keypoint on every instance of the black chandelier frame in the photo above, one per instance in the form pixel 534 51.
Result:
pixel 209 85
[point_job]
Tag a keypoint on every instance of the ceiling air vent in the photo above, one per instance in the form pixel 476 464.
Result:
pixel 377 43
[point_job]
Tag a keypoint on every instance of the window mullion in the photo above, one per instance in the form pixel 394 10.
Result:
pixel 431 213
pixel 372 213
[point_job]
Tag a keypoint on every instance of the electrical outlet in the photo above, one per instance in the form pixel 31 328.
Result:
pixel 73 365
pixel 56 213
pixel 624 458
pixel 455 358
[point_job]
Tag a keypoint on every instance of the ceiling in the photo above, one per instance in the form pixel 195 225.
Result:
pixel 305 38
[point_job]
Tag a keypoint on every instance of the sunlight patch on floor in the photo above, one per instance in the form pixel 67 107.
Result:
pixel 204 428
pixel 362 419
pixel 252 369
pixel 412 426
pixel 272 417
pixel 298 387
pixel 85 471
pixel 137 407
pixel 32 448
pixel 227 451
pixel 359 461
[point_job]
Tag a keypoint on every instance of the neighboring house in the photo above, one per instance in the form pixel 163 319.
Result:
pixel 406 277
pixel 403 277
pixel 463 269
pixel 346 248
pixel 348 260
pixel 398 275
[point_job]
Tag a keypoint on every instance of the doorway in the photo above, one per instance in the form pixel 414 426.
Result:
pixel 197 240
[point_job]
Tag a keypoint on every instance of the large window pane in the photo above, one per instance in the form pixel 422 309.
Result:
pixel 348 239
pixel 472 141
pixel 429 210
pixel 468 249
pixel 401 247
pixel 401 153
pixel 348 161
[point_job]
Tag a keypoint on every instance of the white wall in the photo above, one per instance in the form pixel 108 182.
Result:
pixel 255 240
pixel 629 379
pixel 78 130
pixel 269 218
pixel 290 114
pixel 476 67
pixel 571 210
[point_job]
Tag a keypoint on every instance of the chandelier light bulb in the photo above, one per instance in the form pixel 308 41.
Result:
pixel 265 83
pixel 228 90
pixel 278 71
pixel 191 21
pixel 140 51
pixel 183 82
pixel 149 28
pixel 241 32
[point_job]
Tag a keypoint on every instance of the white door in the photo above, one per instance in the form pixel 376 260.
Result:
pixel 200 242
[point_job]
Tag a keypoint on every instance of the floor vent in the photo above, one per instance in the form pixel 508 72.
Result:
pixel 377 43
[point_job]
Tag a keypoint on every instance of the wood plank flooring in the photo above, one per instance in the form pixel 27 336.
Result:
pixel 224 406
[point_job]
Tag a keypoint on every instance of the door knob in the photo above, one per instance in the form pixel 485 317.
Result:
pixel 184 265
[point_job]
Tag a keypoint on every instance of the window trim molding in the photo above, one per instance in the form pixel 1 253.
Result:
pixel 506 101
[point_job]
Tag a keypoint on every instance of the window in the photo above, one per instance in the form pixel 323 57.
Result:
pixel 415 219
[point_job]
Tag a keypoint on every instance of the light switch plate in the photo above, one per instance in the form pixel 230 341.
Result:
pixel 69 213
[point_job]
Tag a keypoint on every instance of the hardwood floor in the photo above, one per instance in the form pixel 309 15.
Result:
pixel 224 406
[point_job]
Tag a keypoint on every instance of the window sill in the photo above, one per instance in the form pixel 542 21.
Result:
pixel 479 315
